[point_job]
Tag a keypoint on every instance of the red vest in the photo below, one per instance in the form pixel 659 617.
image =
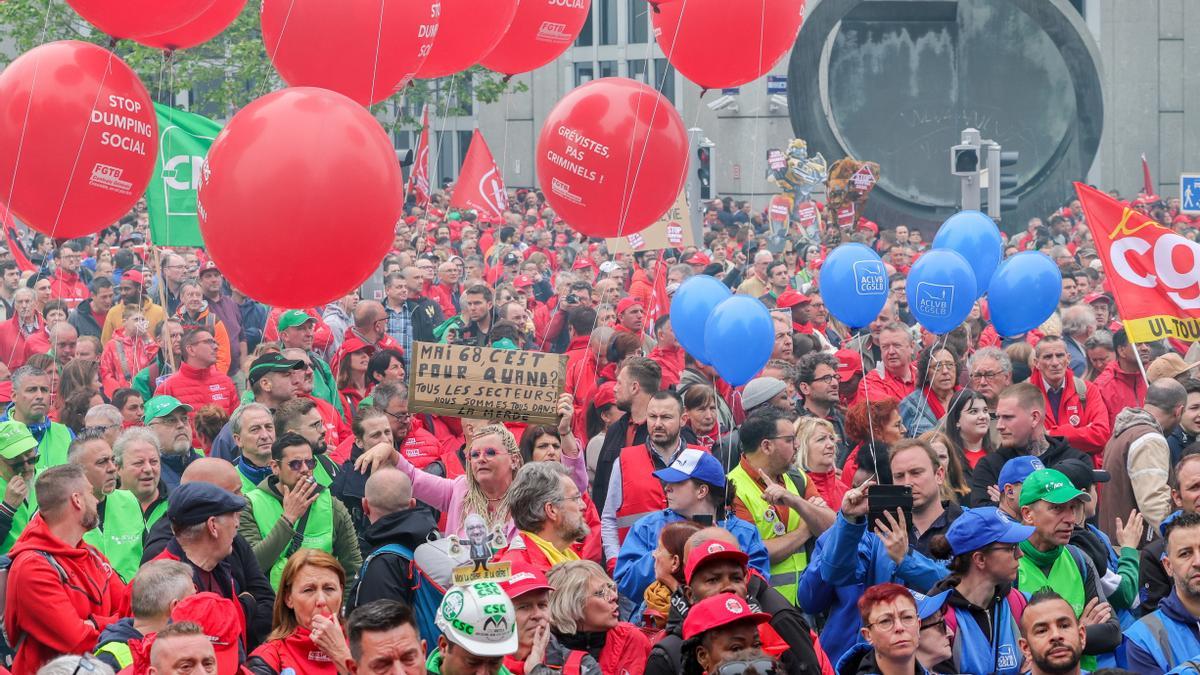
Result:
pixel 641 492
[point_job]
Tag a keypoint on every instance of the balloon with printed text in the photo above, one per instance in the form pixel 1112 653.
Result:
pixel 467 31
pixel 739 337
pixel 612 157
pixel 540 32
pixel 272 238
pixel 854 284
pixel 974 236
pixel 211 23
pixel 941 290
pixel 78 138
pixel 1024 292
pixel 379 44
pixel 135 18
pixel 691 306
pixel 688 30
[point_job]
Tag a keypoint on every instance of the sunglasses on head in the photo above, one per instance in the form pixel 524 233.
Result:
pixel 297 464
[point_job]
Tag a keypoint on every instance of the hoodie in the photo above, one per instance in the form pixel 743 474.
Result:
pixel 92 591
pixel 987 471
pixel 123 357
pixel 390 576
pixel 860 660
pixel 123 633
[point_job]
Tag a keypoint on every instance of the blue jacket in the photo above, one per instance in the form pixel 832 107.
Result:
pixel 847 559
pixel 916 414
pixel 860 660
pixel 1163 638
pixel 254 320
pixel 634 570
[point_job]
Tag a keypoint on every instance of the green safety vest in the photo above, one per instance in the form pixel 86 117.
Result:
pixel 119 538
pixel 158 511
pixel 119 650
pixel 785 574
pixel 318 530
pixel 320 473
pixel 52 450
pixel 1065 578
pixel 21 518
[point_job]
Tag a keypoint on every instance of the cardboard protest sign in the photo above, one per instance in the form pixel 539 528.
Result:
pixel 481 382
pixel 673 230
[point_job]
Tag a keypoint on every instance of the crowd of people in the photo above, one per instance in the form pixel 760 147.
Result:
pixel 194 482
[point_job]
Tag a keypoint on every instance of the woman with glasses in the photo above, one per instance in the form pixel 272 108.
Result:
pixel 937 380
pixel 968 426
pixel 584 617
pixel 891 627
pixel 983 608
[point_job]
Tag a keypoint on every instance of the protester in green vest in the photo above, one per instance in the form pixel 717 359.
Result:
pixel 156 589
pixel 18 460
pixel 254 432
pixel 296 332
pixel 786 514
pixel 140 471
pixel 1048 561
pixel 119 533
pixel 302 416
pixel 30 404
pixel 167 335
pixel 290 510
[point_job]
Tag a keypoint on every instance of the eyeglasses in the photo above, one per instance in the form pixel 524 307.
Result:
pixel 18 464
pixel 789 438
pixel 986 374
pixel 400 416
pixel 942 365
pixel 486 452
pixel 102 428
pixel 939 626
pixel 578 497
pixel 181 421
pixel 831 378
pixel 297 464
pixel 607 592
pixel 1007 548
pixel 757 667
pixel 889 622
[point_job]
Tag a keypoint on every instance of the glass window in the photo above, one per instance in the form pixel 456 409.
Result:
pixel 639 21
pixel 464 144
pixel 442 142
pixel 584 72
pixel 585 33
pixel 664 78
pixel 608 69
pixel 637 70
pixel 608 22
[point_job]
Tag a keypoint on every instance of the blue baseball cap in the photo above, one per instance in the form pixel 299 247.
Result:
pixel 928 605
pixel 984 526
pixel 1017 469
pixel 693 463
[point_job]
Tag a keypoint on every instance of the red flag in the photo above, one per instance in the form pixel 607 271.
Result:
pixel 480 185
pixel 1147 184
pixel 1153 272
pixel 418 180
pixel 660 304
pixel 10 241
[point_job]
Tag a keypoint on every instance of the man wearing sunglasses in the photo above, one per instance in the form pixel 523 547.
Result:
pixel 18 459
pixel 290 510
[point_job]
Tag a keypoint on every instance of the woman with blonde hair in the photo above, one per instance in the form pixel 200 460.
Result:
pixel 584 617
pixel 955 487
pixel 816 451
pixel 306 635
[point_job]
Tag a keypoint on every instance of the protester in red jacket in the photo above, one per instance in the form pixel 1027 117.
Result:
pixel 15 333
pixel 198 382
pixel 668 353
pixel 1120 383
pixel 1075 409
pixel 65 283
pixel 62 592
pixel 322 336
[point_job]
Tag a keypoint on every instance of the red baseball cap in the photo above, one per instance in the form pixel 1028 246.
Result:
pixel 606 394
pixel 583 262
pixel 522 281
pixel 719 610
pixel 221 620
pixel 710 550
pixel 1093 297
pixel 627 304
pixel 699 258
pixel 790 298
pixel 207 267
pixel 525 579
pixel 134 276
pixel 849 363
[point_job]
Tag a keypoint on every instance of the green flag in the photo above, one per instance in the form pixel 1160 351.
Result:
pixel 183 142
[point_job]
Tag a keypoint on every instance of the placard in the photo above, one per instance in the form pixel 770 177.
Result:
pixel 484 383
pixel 673 230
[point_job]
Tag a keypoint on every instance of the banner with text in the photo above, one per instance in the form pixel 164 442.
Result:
pixel 484 383
pixel 673 230
pixel 1154 273
pixel 183 142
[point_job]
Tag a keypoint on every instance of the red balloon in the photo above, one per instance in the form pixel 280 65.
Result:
pixel 763 30
pixel 299 196
pixel 342 46
pixel 468 30
pixel 612 157
pixel 540 32
pixel 78 138
pixel 134 18
pixel 211 23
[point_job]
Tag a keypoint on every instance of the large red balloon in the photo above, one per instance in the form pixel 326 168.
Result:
pixel 342 45
pixel 468 30
pixel 134 18
pixel 299 196
pixel 211 23
pixel 612 157
pixel 540 32
pixel 78 138
pixel 762 30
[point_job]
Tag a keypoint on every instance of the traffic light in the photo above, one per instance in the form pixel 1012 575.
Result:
pixel 964 163
pixel 704 171
pixel 999 182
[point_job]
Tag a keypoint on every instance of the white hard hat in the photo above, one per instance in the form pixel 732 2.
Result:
pixel 480 618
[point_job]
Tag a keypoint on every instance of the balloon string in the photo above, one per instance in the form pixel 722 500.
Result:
pixel 262 88
pixel 923 401
pixel 762 31
pixel 378 42
pixel 82 141
pixel 862 344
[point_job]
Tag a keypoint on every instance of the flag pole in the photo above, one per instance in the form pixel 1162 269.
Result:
pixel 1137 355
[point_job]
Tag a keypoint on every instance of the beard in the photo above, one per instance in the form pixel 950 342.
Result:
pixel 90 520
pixel 1058 666
pixel 625 406
pixel 577 531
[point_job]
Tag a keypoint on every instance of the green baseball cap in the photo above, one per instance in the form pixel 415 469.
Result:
pixel 161 406
pixel 1050 486
pixel 15 439
pixel 293 318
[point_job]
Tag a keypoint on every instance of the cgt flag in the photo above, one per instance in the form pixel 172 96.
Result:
pixel 171 197
pixel 418 180
pixel 1153 272
pixel 479 185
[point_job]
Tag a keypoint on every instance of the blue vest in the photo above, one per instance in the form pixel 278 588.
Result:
pixel 1169 641
pixel 974 654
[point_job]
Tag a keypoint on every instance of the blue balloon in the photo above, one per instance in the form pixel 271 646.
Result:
pixel 974 236
pixel 941 290
pixel 739 338
pixel 1024 293
pixel 854 284
pixel 691 306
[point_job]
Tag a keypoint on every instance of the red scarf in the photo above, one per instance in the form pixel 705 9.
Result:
pixel 935 406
